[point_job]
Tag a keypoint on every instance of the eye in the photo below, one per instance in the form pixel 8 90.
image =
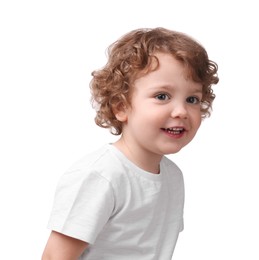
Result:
pixel 193 100
pixel 162 96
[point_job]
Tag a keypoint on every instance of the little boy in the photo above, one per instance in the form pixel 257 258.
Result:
pixel 125 200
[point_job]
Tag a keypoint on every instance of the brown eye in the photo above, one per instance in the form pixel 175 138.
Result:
pixel 162 96
pixel 193 100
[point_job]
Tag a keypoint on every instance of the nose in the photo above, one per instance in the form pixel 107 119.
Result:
pixel 179 110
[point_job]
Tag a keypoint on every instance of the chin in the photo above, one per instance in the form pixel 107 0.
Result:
pixel 173 151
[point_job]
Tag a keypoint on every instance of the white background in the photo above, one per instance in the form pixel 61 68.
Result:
pixel 48 50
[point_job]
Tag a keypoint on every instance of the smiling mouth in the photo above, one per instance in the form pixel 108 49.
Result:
pixel 174 130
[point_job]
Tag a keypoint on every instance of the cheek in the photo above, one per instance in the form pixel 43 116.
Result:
pixel 198 120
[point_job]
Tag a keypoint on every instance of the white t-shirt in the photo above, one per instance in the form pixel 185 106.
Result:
pixel 122 211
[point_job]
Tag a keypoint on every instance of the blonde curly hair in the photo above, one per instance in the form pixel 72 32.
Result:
pixel 132 55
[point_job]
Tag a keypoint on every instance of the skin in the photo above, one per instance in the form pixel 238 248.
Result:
pixel 62 247
pixel 162 99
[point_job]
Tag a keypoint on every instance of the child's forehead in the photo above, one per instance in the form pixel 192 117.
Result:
pixel 163 61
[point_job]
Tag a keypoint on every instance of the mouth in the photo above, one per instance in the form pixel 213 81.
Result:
pixel 174 130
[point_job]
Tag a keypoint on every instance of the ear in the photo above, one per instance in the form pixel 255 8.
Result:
pixel 121 112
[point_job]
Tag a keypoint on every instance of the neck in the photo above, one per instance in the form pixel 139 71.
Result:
pixel 144 160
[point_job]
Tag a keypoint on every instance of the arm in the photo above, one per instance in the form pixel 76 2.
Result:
pixel 62 247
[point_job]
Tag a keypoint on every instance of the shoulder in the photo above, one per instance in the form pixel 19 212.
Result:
pixel 99 164
pixel 93 158
pixel 86 181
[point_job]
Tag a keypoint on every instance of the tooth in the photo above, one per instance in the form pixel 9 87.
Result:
pixel 175 129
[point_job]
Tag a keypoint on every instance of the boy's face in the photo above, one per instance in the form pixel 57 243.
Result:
pixel 165 110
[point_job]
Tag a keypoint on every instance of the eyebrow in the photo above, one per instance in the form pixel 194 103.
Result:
pixel 197 90
pixel 164 87
pixel 168 88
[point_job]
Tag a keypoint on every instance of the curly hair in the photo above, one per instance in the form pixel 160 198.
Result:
pixel 132 55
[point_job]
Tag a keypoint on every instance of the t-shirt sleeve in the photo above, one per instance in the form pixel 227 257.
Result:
pixel 83 204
